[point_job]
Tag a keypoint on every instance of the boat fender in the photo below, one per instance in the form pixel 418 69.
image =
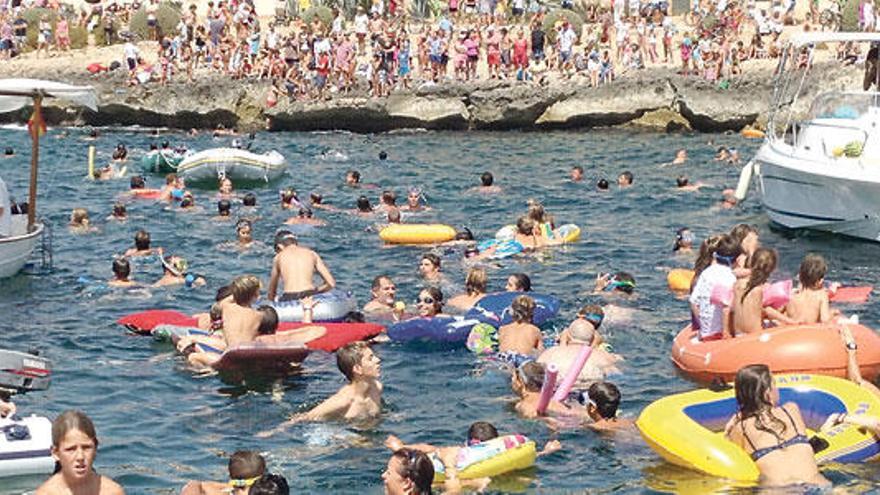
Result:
pixel 745 178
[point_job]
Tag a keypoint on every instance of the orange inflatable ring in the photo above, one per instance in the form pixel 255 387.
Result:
pixel 815 349
pixel 146 193
pixel 679 279
pixel 753 133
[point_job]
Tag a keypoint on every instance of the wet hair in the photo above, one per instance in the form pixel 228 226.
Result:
pixel 137 182
pixel 681 181
pixel 377 281
pixel 531 374
pixel 522 281
pixel 316 198
pixel 812 271
pixel 224 207
pixel 245 289
pixel 288 196
pixel 80 216
pixel 353 317
pixel 433 258
pixel 354 174
pixel 522 309
pixel 363 204
pixel 349 356
pixel 153 147
pixel 602 184
pixel 268 322
pixel 761 264
pixel 394 215
pixel 705 256
pixel 741 231
pixel 222 293
pixel 121 268
pixel 8 151
pixel 476 281
pixel 727 250
pixel 606 398
pixel 593 313
pixel 284 238
pixel 249 199
pixel 246 464
pixel 244 222
pixel 389 198
pixel 416 467
pixel 270 484
pixel 752 383
pixel 69 421
pixel 437 295
pixel 486 179
pixel 170 179
pixel 119 210
pixel 578 168
pixel 525 225
pixel 142 240
pixel 481 431
pixel 383 155
pixel 464 234
pixel 628 176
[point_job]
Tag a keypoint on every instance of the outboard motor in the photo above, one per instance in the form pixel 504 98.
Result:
pixel 23 372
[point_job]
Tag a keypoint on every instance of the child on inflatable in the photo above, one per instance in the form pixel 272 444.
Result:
pixel 359 400
pixel 210 348
pixel 809 303
pixel 747 311
pixel 713 320
pixel 520 341
pixel 245 468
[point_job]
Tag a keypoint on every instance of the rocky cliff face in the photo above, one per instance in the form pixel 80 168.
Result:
pixel 656 98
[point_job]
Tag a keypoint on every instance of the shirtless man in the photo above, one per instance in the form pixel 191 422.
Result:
pixel 359 400
pixel 297 266
pixel 121 272
pixel 383 292
pixel 487 184
pixel 141 245
pixel 241 322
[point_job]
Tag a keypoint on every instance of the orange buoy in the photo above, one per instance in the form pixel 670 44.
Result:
pixel 752 133
pixel 679 279
pixel 814 348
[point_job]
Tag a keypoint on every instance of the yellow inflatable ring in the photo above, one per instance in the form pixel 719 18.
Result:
pixel 491 458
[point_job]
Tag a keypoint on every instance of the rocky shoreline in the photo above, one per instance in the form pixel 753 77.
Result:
pixel 656 99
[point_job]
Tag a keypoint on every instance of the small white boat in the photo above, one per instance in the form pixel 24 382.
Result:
pixel 233 163
pixel 16 249
pixel 821 172
pixel 25 446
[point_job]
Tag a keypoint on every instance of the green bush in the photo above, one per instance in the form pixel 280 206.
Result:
pixel 850 13
pixel 577 22
pixel 167 15
pixel 33 16
pixel 79 37
pixel 324 14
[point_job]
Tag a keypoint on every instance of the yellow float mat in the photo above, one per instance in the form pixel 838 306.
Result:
pixel 417 233
pixel 568 232
pixel 504 460
pixel 679 279
pixel 670 425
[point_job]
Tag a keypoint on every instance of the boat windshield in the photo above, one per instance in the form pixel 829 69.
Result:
pixel 843 105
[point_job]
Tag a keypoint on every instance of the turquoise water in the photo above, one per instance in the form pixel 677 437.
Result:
pixel 160 426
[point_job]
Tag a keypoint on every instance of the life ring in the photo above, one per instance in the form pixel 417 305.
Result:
pixel 437 329
pixel 494 457
pixel 329 306
pixel 685 428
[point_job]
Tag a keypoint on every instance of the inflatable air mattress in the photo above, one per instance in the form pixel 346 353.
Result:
pixel 439 329
pixel 329 306
pixel 494 309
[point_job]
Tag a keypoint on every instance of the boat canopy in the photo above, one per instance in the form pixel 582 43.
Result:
pixel 19 93
pixel 803 39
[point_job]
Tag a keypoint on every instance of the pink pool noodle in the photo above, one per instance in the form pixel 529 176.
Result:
pixel 547 389
pixel 573 372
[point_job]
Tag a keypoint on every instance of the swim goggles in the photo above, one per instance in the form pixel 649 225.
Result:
pixel 178 268
pixel 724 260
pixel 685 236
pixel 595 319
pixel 618 284
pixel 243 483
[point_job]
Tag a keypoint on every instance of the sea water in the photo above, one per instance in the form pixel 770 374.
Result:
pixel 160 425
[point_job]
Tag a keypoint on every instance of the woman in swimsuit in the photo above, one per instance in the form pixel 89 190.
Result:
pixel 774 435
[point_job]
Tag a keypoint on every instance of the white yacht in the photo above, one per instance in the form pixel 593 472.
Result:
pixel 822 172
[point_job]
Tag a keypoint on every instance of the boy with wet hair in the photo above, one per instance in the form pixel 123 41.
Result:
pixel 246 467
pixel 520 340
pixel 359 400
pixel 810 302
pixel 602 401
pixel 121 272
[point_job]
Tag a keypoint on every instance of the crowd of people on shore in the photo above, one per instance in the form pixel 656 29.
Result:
pixel 384 48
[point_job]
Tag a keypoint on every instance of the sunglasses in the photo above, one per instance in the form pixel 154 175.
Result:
pixel 425 300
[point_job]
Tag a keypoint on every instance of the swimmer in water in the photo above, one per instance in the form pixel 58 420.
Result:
pixel 475 286
pixel 141 245
pixel 360 400
pixel 364 208
pixel 383 155
pixel 8 152
pixel 681 156
pixel 733 157
pixel 414 201
pixel 224 210
pixel 79 221
pixel 393 216
pixel 188 202
pixel 244 233
pixel 487 184
pixel 684 241
pixel 168 190
pixel 353 178
pixel 576 174
pixel 409 472
pixel 625 179
pixel 602 184
pixel 520 340
pixel 174 272
pixel 722 155
pixel 121 274
pixel 617 283
pixel 682 183
pixel 429 268
pixel 137 182
pixel 224 189
pixel 74 447
pixel 120 154
pixel 249 200
pixel 387 201
pixel 382 292
pixel 119 213
pixel 289 199
pixel 245 468
pixel 305 216
pixel 518 282
pixel 728 199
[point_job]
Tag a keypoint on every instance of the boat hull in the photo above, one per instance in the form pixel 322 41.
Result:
pixel 159 162
pixel 16 250
pixel 236 164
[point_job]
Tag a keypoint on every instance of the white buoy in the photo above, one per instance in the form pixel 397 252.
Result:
pixel 745 179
